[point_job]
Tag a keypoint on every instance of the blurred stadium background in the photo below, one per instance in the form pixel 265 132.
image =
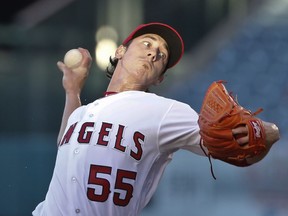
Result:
pixel 244 42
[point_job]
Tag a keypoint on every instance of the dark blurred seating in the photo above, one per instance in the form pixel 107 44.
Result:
pixel 255 65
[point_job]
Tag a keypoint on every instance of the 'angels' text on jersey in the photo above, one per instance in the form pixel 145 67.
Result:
pixel 85 134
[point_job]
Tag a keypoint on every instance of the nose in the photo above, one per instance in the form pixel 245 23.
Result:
pixel 152 54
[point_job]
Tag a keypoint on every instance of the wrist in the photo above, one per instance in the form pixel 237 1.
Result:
pixel 71 96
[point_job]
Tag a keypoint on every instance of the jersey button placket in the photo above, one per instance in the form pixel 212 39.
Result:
pixel 74 189
pixel 76 151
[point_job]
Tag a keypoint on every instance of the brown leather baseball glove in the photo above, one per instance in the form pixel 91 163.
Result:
pixel 220 113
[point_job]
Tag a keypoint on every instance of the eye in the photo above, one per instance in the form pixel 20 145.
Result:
pixel 162 55
pixel 147 44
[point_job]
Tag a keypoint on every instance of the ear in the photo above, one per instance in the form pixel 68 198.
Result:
pixel 120 51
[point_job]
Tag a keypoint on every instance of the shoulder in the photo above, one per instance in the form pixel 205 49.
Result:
pixel 152 98
pixel 174 107
pixel 148 102
pixel 78 113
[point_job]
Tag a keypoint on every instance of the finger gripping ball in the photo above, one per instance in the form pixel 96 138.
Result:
pixel 73 58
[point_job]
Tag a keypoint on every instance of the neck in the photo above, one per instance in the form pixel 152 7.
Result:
pixel 123 80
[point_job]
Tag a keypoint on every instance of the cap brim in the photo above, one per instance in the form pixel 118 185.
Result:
pixel 169 34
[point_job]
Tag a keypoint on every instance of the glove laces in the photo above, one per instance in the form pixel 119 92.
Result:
pixel 209 157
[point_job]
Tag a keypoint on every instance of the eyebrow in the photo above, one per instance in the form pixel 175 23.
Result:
pixel 155 39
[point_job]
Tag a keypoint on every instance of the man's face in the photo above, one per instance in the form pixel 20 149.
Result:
pixel 146 58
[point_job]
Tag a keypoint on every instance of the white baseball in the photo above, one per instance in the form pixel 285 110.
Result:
pixel 73 58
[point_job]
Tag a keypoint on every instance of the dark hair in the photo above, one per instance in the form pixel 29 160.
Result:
pixel 113 63
pixel 111 67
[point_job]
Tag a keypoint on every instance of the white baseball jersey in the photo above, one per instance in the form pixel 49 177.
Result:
pixel 114 152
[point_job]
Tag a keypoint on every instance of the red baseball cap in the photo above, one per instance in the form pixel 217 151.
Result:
pixel 169 34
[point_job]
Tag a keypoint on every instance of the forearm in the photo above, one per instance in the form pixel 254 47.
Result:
pixel 73 82
pixel 72 102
